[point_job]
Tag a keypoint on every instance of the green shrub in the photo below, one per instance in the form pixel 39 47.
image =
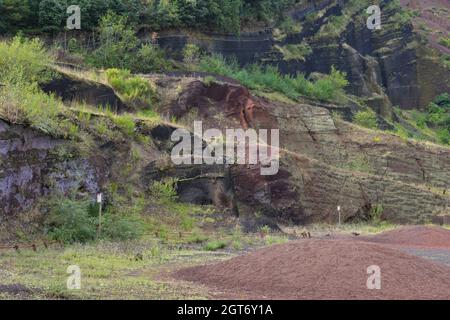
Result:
pixel 150 58
pixel 438 117
pixel 237 245
pixel 131 88
pixel 264 230
pixel 376 214
pixel 70 221
pixel 117 227
pixel 191 54
pixel 287 26
pixel 117 42
pixel 119 48
pixel 164 191
pixel 77 221
pixel 446 60
pixel 215 245
pixel 290 26
pixel 23 61
pixel 445 41
pixel 367 118
pixel 331 86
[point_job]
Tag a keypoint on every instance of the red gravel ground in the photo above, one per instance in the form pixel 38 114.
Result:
pixel 414 236
pixel 323 269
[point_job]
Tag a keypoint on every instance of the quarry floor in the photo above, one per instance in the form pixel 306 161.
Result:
pixel 145 269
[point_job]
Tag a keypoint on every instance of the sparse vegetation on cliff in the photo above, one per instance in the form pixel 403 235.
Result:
pixel 133 89
pixel 367 118
pixel 269 78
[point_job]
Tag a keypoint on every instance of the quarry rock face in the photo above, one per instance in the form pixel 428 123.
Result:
pixel 31 167
pixel 389 65
pixel 324 163
pixel 70 88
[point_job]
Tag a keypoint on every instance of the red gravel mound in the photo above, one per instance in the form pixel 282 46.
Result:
pixel 323 269
pixel 416 236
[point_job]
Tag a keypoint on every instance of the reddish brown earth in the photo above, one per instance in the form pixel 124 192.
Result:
pixel 415 236
pixel 329 269
pixel 434 14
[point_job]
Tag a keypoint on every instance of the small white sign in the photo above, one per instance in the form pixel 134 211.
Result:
pixel 339 208
pixel 99 198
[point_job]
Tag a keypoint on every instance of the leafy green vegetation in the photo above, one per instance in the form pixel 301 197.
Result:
pixel 438 117
pixel 269 79
pixel 287 26
pixel 215 245
pixel 366 118
pixel 126 123
pixel 117 40
pixel 164 191
pixel 50 15
pixel 445 41
pixel 77 221
pixel 376 214
pixel 446 60
pixel 132 88
pixel 119 47
pixel 191 54
pixel 430 125
pixel 337 24
pixel 23 61
pixel 297 52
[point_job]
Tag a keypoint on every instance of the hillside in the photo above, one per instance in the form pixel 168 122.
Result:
pixel 362 117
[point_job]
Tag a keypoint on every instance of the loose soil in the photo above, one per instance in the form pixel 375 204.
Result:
pixel 331 269
pixel 414 236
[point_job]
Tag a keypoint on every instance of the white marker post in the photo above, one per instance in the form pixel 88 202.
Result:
pixel 99 201
pixel 339 214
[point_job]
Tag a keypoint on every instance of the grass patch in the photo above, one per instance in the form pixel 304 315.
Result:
pixel 215 245
pixel 269 79
pixel 274 239
pixel 197 237
pixel 125 122
pixel 132 89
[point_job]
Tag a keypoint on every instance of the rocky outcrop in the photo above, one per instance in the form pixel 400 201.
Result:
pixel 33 165
pixel 387 67
pixel 70 88
pixel 324 163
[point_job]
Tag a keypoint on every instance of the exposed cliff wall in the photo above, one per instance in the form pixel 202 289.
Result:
pixel 32 166
pixel 390 62
pixel 324 162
